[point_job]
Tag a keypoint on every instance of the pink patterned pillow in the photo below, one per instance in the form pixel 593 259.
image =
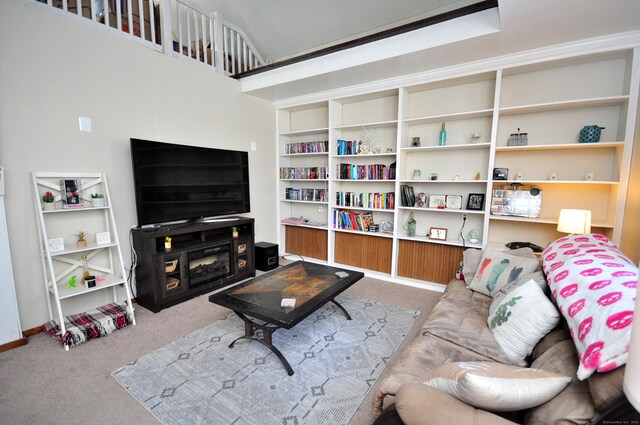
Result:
pixel 595 287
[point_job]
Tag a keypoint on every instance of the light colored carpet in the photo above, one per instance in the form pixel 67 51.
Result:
pixel 198 379
pixel 43 384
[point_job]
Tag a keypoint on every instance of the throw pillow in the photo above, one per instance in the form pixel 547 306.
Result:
pixel 495 386
pixel 537 277
pixel 595 287
pixel 470 262
pixel 498 269
pixel 521 318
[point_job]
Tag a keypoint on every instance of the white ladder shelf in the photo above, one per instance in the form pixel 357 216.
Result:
pixel 102 259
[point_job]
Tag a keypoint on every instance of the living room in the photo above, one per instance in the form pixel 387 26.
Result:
pixel 61 70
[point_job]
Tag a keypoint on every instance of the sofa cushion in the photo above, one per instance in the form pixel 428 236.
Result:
pixel 423 354
pixel 496 387
pixel 460 317
pixel 594 285
pixel 521 318
pixel 549 340
pixel 573 405
pixel 606 388
pixel 498 269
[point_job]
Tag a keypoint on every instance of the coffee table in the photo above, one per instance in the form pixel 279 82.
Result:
pixel 257 301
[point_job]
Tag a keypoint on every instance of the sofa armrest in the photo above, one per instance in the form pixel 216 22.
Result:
pixel 418 404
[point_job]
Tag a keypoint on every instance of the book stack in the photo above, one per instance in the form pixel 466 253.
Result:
pixel 306 147
pixel 348 147
pixel 407 196
pixel 312 195
pixel 349 220
pixel 303 173
pixel 366 200
pixel 366 172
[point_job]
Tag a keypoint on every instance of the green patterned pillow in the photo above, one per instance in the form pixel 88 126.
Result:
pixel 521 318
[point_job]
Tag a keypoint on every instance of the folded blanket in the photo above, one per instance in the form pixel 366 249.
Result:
pixel 94 323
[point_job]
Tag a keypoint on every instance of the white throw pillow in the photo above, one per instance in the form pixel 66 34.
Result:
pixel 496 386
pixel 498 269
pixel 521 318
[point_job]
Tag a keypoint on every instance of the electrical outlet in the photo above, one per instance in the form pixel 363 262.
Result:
pixel 464 216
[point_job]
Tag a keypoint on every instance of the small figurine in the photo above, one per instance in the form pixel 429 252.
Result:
pixel 72 282
pixel 364 148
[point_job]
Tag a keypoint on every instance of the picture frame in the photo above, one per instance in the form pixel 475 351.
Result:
pixel 103 238
pixel 421 200
pixel 386 226
pixel 56 244
pixel 454 202
pixel 436 201
pixel 475 202
pixel 438 233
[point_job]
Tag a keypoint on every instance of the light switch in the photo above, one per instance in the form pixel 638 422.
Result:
pixel 85 124
pixel 253 146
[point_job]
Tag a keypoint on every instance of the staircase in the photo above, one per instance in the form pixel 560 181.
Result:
pixel 196 35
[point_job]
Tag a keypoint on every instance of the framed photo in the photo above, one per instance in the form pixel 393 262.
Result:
pixel 454 202
pixel 56 244
pixel 438 233
pixel 103 237
pixel 436 201
pixel 475 201
pixel 421 200
pixel 386 226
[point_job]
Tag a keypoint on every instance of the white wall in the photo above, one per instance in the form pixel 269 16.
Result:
pixel 55 69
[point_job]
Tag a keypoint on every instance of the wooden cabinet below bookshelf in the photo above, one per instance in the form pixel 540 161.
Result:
pixel 364 251
pixel 426 261
pixel 306 242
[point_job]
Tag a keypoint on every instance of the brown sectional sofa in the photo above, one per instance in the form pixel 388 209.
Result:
pixel 456 330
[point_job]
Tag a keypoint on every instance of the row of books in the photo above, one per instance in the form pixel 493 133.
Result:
pixel 349 220
pixel 366 200
pixel 348 147
pixel 366 172
pixel 313 195
pixel 307 147
pixel 297 173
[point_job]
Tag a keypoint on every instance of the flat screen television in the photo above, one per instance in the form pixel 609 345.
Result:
pixel 178 182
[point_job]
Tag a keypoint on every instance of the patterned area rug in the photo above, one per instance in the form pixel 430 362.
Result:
pixel 199 380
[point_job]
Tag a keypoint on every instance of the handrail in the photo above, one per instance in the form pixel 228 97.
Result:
pixel 196 34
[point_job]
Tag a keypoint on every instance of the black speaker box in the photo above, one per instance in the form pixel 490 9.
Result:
pixel 266 256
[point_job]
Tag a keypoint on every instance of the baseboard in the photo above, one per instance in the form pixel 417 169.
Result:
pixel 32 331
pixel 14 344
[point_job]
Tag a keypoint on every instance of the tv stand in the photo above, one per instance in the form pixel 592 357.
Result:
pixel 203 256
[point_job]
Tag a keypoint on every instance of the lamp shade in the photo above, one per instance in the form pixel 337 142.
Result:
pixel 574 221
pixel 631 384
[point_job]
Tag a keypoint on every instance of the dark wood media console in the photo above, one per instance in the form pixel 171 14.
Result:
pixel 203 256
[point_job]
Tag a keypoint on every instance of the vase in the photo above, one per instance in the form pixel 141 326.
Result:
pixel 48 206
pixel 81 244
pixel 97 202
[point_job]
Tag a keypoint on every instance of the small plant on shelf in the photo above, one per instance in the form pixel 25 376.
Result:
pixel 234 232
pixel 97 199
pixel 48 199
pixel 81 240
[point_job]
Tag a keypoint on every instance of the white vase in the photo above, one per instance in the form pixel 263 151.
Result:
pixel 48 206
pixel 97 202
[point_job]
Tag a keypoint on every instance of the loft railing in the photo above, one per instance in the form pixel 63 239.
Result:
pixel 197 35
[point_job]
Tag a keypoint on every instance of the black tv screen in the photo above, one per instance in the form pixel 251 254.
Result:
pixel 177 182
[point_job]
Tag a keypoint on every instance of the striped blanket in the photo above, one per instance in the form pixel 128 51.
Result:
pixel 95 323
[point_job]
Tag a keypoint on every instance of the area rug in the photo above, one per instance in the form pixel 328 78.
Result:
pixel 199 380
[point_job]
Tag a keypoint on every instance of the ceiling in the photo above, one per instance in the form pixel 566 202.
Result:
pixel 283 28
pixel 280 27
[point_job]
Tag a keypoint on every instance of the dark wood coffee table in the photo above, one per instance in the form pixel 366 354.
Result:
pixel 257 301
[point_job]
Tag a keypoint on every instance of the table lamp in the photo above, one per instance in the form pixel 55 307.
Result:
pixel 631 384
pixel 574 221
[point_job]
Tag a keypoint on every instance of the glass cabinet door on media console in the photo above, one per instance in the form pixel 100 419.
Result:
pixel 363 183
pixel 552 102
pixel 304 175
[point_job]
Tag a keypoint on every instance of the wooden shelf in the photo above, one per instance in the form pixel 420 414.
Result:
pixel 445 210
pixel 344 207
pixel 309 226
pixel 365 180
pixel 369 155
pixel 81 289
pixel 304 202
pixel 443 181
pixel 439 242
pixel 305 132
pixel 541 182
pixel 570 146
pixel 306 154
pixel 543 220
pixel 91 246
pixel 447 147
pixel 67 210
pixel 568 104
pixel 389 123
pixel 359 232
pixel 304 180
pixel 482 113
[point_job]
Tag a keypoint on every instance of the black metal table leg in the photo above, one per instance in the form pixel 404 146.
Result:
pixel 341 308
pixel 267 330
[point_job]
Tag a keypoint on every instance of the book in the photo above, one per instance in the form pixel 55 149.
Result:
pixel 71 193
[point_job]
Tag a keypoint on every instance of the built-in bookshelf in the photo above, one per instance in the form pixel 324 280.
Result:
pixel 370 135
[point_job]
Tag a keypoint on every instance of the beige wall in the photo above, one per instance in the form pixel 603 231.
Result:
pixel 55 69
pixel 630 243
